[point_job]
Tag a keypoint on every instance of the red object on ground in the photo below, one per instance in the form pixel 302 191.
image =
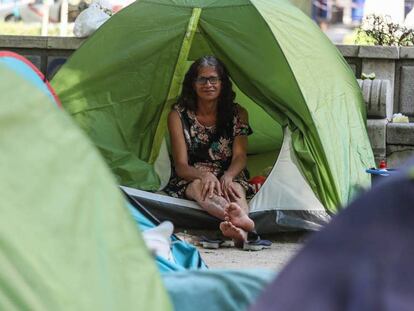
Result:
pixel 257 182
pixel 383 164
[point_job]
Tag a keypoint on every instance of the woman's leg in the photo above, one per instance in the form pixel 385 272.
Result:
pixel 237 212
pixel 231 231
pixel 214 206
pixel 241 199
pixel 235 217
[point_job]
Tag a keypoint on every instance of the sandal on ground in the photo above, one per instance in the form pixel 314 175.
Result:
pixel 215 244
pixel 255 243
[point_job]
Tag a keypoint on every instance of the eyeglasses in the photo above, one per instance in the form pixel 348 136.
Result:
pixel 204 80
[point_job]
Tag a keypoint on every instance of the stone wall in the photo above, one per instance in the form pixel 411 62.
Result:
pixel 392 141
pixel 391 92
pixel 46 53
pixel 388 63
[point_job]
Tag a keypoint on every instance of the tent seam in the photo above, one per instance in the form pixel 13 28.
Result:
pixel 188 36
pixel 297 83
pixel 195 7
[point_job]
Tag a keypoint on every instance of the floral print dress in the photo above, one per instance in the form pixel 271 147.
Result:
pixel 208 152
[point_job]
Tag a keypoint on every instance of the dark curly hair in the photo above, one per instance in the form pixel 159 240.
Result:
pixel 226 105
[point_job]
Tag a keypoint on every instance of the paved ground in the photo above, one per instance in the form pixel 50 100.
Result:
pixel 285 246
pixel 274 258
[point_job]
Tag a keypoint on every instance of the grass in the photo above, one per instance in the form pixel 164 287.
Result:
pixel 31 29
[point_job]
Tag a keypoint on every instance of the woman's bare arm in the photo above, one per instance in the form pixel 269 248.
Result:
pixel 179 149
pixel 239 158
pixel 238 162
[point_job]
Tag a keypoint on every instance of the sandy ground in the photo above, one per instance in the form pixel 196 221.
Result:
pixel 274 258
pixel 284 247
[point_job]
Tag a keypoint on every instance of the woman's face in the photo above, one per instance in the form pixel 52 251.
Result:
pixel 207 84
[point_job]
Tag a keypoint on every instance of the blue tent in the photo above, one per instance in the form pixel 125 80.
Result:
pixel 29 72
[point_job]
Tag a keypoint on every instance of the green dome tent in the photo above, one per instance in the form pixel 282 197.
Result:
pixel 297 88
pixel 67 239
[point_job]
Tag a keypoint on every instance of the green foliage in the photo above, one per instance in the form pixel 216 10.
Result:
pixel 362 38
pixel 357 37
pixel 370 76
pixel 381 30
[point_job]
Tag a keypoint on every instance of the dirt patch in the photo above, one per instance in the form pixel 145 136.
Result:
pixel 284 247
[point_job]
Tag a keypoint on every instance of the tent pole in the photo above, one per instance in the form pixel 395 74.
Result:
pixel 175 84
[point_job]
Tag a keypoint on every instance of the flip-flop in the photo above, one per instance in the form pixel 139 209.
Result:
pixel 255 243
pixel 227 243
pixel 215 244
pixel 210 243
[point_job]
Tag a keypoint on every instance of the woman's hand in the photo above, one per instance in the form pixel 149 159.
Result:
pixel 210 184
pixel 227 187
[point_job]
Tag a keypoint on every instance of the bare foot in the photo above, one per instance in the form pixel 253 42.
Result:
pixel 231 231
pixel 234 214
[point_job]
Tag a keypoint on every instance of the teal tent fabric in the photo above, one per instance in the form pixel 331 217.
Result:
pixel 216 290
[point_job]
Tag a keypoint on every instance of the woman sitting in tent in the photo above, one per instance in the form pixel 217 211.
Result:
pixel 208 134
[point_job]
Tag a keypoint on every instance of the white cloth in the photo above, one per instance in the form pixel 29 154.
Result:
pixel 92 18
pixel 158 240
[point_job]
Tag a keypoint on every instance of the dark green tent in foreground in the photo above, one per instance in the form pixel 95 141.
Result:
pixel 119 86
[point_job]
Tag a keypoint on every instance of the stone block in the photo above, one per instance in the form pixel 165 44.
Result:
pixel 406 52
pixel 29 42
pixel 379 52
pixel 64 43
pixel 53 65
pixel 400 134
pixel 35 59
pixel 353 68
pixel 377 97
pixel 383 69
pixel 377 133
pixel 37 42
pixel 407 91
pixel 398 155
pixel 348 50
